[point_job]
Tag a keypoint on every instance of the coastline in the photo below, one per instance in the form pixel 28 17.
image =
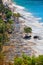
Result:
pixel 28 18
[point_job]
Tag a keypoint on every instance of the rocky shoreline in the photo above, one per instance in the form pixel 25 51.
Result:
pixel 18 45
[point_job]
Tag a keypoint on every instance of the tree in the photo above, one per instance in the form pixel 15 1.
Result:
pixel 18 61
pixel 1 21
pixel 27 29
pixel 0 46
pixel 26 59
pixel 16 17
pixel 8 14
pixel 39 60
pixel 33 60
pixel 10 21
pixel 2 27
pixel 2 8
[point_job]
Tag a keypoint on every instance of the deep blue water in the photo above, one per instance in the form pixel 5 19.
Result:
pixel 33 6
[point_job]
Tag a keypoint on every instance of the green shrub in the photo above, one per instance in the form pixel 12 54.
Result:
pixel 18 61
pixel 27 29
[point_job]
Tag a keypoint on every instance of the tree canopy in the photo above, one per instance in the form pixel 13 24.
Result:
pixel 27 29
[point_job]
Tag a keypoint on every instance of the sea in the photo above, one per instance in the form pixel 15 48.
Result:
pixel 33 6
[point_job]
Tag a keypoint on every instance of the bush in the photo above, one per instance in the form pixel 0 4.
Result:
pixel 18 61
pixel 27 30
pixel 8 14
pixel 27 60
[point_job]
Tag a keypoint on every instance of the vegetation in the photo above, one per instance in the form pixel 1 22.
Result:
pixel 27 30
pixel 26 60
pixel 5 26
pixel 16 17
pixel 8 14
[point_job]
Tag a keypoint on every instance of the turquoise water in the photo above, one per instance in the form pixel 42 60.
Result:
pixel 33 6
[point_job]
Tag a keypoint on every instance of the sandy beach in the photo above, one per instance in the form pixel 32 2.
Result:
pixel 29 20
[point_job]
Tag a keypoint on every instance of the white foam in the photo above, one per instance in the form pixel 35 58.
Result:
pixel 17 6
